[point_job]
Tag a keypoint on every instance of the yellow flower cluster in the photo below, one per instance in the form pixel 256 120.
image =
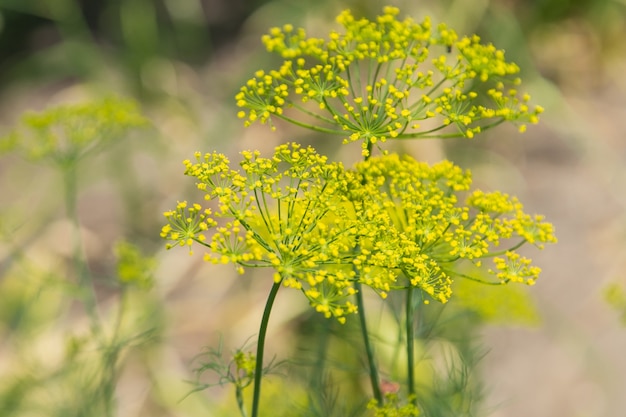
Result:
pixel 66 133
pixel 388 223
pixel 392 407
pixel 288 212
pixel 382 79
pixel 186 224
pixel 515 268
pixel 432 233
pixel 132 267
pixel 245 363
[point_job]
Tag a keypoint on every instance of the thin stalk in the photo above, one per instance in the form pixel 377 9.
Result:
pixel 373 369
pixel 369 351
pixel 239 397
pixel 87 291
pixel 80 265
pixel 410 349
pixel 322 349
pixel 310 127
pixel 260 348
pixel 111 357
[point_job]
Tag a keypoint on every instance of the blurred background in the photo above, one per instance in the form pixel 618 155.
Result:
pixel 184 61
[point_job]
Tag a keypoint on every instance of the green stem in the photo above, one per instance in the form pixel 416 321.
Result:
pixel 369 351
pixel 260 348
pixel 239 396
pixel 410 349
pixel 81 270
pixel 111 357
pixel 87 292
pixel 310 127
pixel 322 349
pixel 373 369
pixel 502 252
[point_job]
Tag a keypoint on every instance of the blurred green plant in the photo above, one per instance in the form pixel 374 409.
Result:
pixel 239 371
pixel 615 295
pixel 82 381
pixel 391 223
pixel 67 133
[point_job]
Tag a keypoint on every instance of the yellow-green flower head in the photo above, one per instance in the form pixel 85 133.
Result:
pixel 132 267
pixel 66 133
pixel 288 212
pixel 431 232
pixel 615 295
pixel 384 78
pixel 392 407
pixel 322 227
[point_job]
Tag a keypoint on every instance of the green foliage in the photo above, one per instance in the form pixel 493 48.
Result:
pixel 239 370
pixel 25 307
pixel 81 379
pixel 92 345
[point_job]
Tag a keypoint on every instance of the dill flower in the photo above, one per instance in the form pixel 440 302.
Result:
pixel 65 133
pixel 322 227
pixel 288 212
pixel 392 407
pixel 433 229
pixel 132 267
pixel 186 224
pixel 386 78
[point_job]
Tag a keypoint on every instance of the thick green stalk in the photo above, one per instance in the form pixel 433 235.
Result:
pixel 260 348
pixel 373 369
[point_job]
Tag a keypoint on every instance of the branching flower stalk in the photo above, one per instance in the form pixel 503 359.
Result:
pixel 390 223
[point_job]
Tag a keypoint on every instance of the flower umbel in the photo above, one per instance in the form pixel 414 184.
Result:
pixel 386 78
pixel 186 224
pixel 66 133
pixel 322 227
pixel 430 233
pixel 132 267
pixel 392 407
pixel 289 212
